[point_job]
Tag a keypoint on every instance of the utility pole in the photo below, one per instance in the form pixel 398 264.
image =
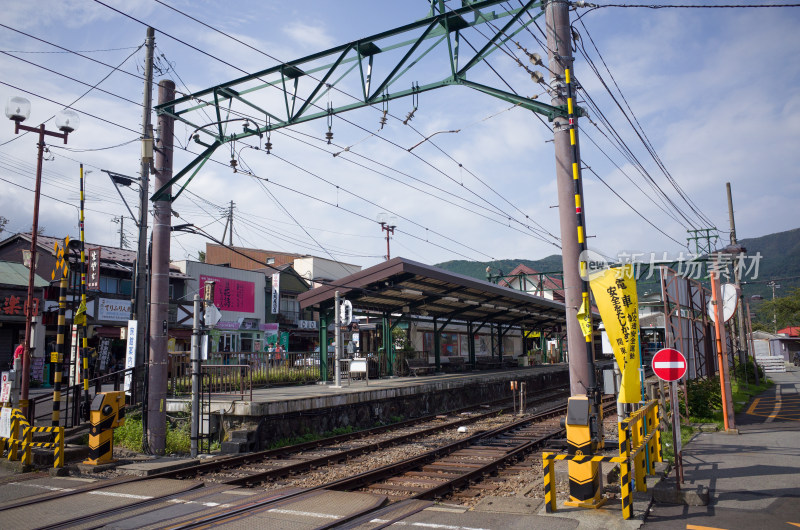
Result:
pixel 584 418
pixel 140 298
pixel 774 309
pixel 121 221
pixel 230 226
pixel 738 280
pixel 159 279
pixel 570 198
pixel 387 225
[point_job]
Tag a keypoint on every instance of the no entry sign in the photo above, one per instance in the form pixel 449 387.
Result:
pixel 669 364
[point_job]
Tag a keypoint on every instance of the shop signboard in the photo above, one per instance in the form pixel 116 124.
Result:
pixel 93 276
pixel 130 353
pixel 276 294
pixel 231 295
pixel 113 309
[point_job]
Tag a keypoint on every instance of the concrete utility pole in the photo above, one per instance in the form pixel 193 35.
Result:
pixel 140 300
pixel 159 279
pixel 230 225
pixel 738 280
pixel 571 215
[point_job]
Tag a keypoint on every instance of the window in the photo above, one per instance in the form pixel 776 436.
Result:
pixel 108 285
pixel 289 304
pixel 125 286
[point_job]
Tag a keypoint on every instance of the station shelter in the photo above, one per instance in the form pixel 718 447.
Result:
pixel 442 314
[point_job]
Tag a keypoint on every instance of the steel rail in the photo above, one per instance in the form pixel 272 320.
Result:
pixel 370 477
pixel 238 460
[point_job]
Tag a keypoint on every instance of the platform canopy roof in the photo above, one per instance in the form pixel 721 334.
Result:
pixel 411 288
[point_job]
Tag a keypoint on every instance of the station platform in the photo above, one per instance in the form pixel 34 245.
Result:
pixel 289 399
pixel 285 411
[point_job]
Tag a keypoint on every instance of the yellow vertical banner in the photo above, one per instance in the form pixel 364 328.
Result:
pixel 585 317
pixel 614 293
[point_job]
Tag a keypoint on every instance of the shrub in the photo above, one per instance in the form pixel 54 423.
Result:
pixel 748 370
pixel 704 398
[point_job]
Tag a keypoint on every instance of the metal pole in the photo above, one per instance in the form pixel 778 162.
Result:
pixel 26 347
pixel 59 353
pixel 727 404
pixel 84 351
pixel 195 354
pixel 140 299
pixel 752 349
pixel 570 196
pixel 157 366
pixel 337 381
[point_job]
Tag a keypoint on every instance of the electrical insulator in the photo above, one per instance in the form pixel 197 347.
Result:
pixel 233 164
pixel 268 146
pixel 329 136
pixel 536 58
pixel 537 76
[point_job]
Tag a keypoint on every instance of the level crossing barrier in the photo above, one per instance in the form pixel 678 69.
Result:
pixel 19 446
pixel 639 450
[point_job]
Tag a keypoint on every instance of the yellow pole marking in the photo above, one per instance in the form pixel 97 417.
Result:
pixel 574 171
pixel 696 527
pixel 752 408
pixel 793 524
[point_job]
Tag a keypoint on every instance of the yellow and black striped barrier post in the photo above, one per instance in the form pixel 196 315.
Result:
pixel 548 470
pixel 625 490
pixel 22 438
pixel 548 459
pixel 106 414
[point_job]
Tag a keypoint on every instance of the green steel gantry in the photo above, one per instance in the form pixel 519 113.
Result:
pixel 303 83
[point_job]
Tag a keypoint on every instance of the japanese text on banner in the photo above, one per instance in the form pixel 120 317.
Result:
pixel 614 293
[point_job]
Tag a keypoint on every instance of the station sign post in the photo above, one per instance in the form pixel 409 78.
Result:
pixel 670 365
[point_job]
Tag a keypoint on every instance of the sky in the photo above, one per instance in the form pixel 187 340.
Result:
pixel 712 92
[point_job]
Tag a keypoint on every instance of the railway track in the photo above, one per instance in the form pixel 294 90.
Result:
pixel 461 467
pixel 253 468
pixel 432 475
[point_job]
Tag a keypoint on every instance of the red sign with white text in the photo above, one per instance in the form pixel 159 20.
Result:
pixel 232 295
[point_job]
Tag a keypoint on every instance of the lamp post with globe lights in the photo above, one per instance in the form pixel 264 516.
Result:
pixel 17 110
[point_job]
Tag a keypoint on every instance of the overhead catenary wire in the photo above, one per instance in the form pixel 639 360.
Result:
pixel 640 133
pixel 479 196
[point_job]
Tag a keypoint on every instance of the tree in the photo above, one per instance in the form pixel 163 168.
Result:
pixel 3 223
pixel 201 256
pixel 785 311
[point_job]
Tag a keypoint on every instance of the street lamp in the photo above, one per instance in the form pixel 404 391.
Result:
pixel 388 224
pixel 17 110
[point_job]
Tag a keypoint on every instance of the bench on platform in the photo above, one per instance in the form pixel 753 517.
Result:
pixel 455 364
pixel 485 362
pixel 418 365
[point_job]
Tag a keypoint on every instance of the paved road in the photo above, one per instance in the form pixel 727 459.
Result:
pixel 754 478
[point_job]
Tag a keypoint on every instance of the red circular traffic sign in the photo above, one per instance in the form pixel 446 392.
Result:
pixel 669 364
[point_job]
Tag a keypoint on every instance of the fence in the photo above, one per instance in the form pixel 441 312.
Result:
pixel 269 369
pixel 72 398
pixel 639 449
pixel 21 440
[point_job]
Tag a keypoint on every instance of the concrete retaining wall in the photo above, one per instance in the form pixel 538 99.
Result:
pixel 367 408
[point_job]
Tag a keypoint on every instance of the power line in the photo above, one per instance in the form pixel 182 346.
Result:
pixel 299 98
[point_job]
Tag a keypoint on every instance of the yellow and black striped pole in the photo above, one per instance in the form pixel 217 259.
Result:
pixel 586 438
pixel 625 472
pixel 84 339
pixel 57 357
pixel 548 470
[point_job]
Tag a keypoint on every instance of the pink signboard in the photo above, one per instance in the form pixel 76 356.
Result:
pixel 231 295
